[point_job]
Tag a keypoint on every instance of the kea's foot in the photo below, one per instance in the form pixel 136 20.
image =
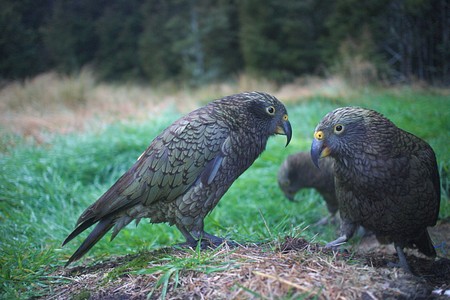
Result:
pixel 212 241
pixel 347 230
pixel 206 240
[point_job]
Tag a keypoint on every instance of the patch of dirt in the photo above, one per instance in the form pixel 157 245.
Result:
pixel 292 269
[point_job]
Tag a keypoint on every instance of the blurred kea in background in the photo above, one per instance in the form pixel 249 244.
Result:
pixel 387 179
pixel 298 172
pixel 186 169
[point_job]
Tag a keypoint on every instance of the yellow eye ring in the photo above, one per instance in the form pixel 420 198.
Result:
pixel 285 118
pixel 270 110
pixel 338 128
pixel 318 135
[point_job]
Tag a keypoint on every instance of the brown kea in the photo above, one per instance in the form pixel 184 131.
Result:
pixel 386 179
pixel 186 169
pixel 298 172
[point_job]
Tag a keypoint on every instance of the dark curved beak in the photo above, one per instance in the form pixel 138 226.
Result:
pixel 318 148
pixel 285 129
pixel 316 151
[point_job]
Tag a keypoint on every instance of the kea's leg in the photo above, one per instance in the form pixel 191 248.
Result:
pixel 330 219
pixel 208 240
pixel 334 219
pixel 190 240
pixel 198 234
pixel 323 221
pixel 193 238
pixel 348 228
pixel 402 259
pixel 332 204
pixel 332 207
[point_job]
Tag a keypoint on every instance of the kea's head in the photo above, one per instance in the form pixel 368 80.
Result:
pixel 258 113
pixel 293 174
pixel 348 131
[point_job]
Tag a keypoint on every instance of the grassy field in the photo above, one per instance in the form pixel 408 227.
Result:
pixel 46 182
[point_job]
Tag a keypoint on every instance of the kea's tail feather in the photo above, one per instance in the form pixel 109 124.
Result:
pixel 103 226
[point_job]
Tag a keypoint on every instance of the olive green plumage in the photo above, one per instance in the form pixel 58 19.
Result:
pixel 298 172
pixel 186 169
pixel 387 179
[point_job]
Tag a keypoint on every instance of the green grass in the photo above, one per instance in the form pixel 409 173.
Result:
pixel 44 188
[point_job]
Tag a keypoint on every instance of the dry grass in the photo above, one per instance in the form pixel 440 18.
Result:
pixel 295 269
pixel 64 104
pixel 52 103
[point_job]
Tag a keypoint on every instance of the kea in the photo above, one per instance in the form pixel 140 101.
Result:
pixel 187 168
pixel 386 179
pixel 298 172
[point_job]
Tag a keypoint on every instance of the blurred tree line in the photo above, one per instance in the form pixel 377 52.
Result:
pixel 201 40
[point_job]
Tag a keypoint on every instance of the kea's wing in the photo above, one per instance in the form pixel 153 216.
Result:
pixel 424 174
pixel 413 181
pixel 188 150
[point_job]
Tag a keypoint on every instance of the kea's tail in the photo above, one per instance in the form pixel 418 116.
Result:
pixel 103 226
pixel 424 244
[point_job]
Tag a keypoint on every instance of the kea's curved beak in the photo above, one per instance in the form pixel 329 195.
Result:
pixel 284 128
pixel 318 148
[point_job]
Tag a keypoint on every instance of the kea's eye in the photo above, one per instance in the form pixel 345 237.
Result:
pixel 338 128
pixel 270 110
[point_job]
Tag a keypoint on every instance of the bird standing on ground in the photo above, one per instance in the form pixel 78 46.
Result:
pixel 386 179
pixel 298 172
pixel 186 169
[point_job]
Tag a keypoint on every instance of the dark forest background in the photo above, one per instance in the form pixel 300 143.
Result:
pixel 200 41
